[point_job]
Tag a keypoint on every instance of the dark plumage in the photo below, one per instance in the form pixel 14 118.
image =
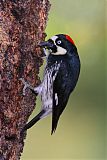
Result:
pixel 60 78
pixel 65 81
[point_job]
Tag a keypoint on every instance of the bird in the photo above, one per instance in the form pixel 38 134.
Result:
pixel 60 77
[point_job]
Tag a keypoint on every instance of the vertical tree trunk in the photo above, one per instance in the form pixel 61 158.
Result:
pixel 22 25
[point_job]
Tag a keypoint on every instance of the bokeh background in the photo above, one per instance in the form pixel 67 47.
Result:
pixel 81 133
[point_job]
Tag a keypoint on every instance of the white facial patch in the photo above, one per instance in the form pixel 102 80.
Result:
pixel 54 38
pixel 60 50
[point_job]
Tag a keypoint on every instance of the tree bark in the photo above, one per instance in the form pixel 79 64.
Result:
pixel 22 25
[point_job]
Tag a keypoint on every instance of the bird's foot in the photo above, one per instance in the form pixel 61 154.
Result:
pixel 26 85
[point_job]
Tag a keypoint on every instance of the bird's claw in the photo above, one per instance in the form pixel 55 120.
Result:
pixel 26 85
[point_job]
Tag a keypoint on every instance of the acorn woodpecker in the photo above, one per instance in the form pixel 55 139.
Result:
pixel 60 78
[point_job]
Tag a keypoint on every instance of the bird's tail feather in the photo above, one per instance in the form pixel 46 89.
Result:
pixel 54 124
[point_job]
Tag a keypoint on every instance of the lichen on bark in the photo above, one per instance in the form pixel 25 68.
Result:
pixel 22 26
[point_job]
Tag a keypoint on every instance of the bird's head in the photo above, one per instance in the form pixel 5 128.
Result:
pixel 59 45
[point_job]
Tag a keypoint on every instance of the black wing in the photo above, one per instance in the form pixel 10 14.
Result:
pixel 61 90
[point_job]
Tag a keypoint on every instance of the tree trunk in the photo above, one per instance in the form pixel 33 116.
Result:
pixel 22 25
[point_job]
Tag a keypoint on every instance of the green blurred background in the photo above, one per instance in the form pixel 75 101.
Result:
pixel 81 133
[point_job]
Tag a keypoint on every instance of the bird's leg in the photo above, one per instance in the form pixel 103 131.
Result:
pixel 28 85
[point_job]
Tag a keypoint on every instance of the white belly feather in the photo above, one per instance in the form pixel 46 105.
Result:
pixel 45 89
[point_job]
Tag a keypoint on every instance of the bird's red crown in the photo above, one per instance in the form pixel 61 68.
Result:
pixel 70 39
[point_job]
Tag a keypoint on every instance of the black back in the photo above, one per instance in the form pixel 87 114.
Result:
pixel 64 83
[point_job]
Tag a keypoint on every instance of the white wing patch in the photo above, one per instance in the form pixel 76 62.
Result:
pixel 56 99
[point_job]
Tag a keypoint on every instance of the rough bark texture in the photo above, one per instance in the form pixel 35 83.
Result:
pixel 22 25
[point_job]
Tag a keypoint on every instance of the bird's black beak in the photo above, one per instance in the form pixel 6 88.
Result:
pixel 46 44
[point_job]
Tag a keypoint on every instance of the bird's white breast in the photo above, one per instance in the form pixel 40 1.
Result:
pixel 47 86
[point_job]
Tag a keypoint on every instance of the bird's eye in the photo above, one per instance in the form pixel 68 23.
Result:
pixel 59 42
